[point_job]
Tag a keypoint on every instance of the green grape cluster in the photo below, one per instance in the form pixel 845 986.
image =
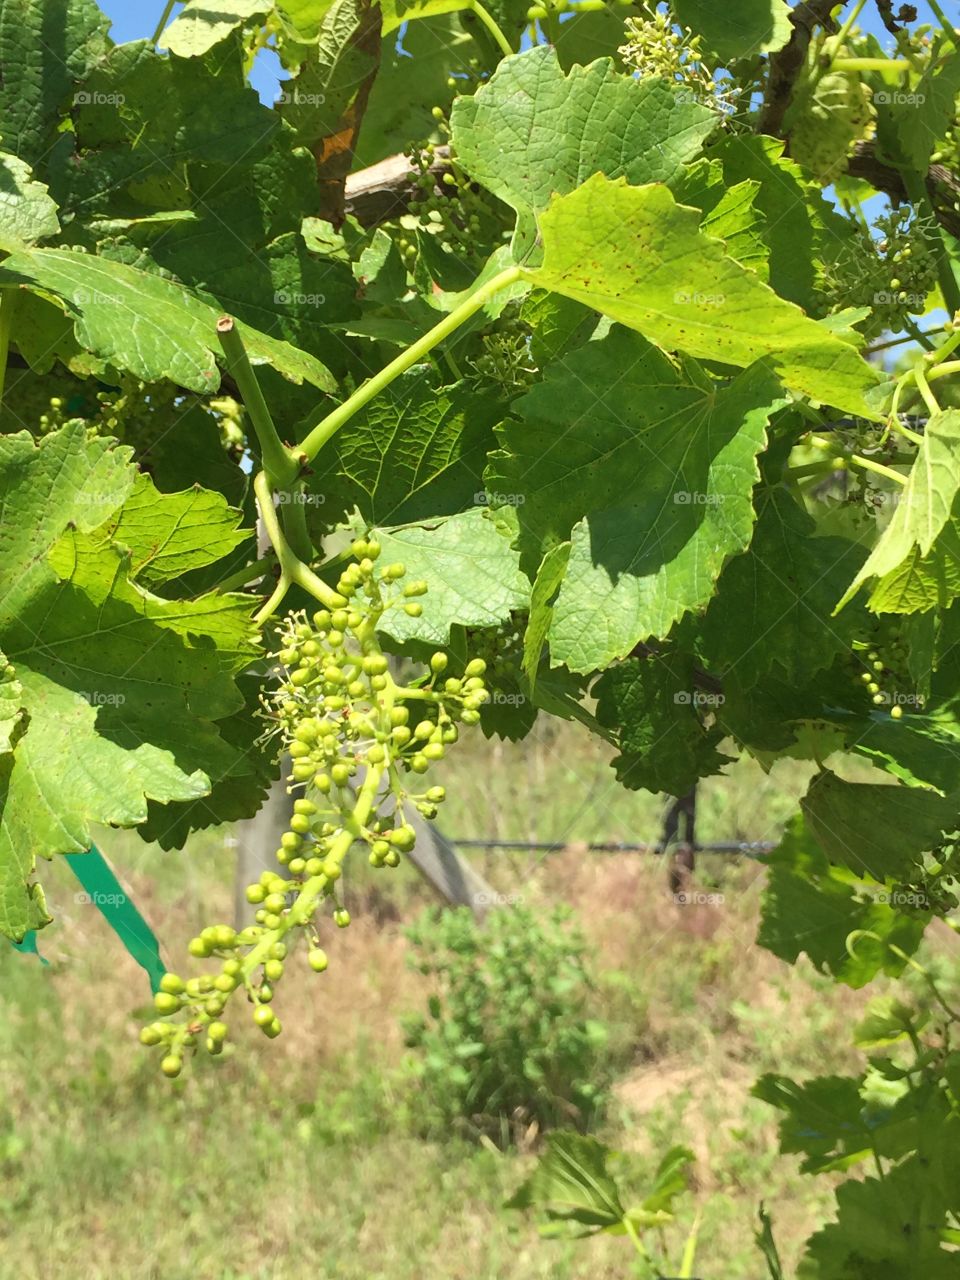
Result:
pixel 358 741
pixel 891 272
pixel 656 45
pixel 882 676
pixel 504 356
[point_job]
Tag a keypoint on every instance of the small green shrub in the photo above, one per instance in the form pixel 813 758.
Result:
pixel 506 1042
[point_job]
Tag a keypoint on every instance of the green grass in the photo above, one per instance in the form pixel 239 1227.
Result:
pixel 304 1157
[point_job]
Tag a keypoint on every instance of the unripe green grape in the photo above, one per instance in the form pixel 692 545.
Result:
pixel 873 687
pixel 339 620
pixel 296 866
pixel 404 838
pixel 288 656
pixel 290 840
pixel 299 677
pixel 381 848
pixel 414 610
pixel 392 859
pixel 166 1003
pixel 321 619
pixel 271 920
pixel 419 763
pixel 378 683
pixel 283 856
pixel 234 966
pixel 417 588
pixel 359 547
pixel 317 959
pixel 424 729
pixel 273 1029
pixel 263 1015
pixel 438 663
pixel 341 917
pixel 300 824
pixel 471 685
pixel 373 549
pixel 301 771
pixel 322 783
pixel 376 754
pixel 436 795
pixel 470 717
pixel 375 664
pixel 451 686
pixel 275 902
pixel 331 869
pixel 225 936
pixel 214 1006
pixel 475 667
pixel 255 894
pixel 356 689
pixel 434 751
pixel 199 948
pixel 172 984
pixel 305 807
pixel 375 859
pixel 395 571
pixel 878 699
pixel 399 715
pixel 340 773
pixel 150 1036
pixel 896 711
pixel 878 665
pixel 214 1047
pixel 171 1066
pixel 265 993
pixel 225 982
pixel 314 867
pixel 273 970
pixel 401 735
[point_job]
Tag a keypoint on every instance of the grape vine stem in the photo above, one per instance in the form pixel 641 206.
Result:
pixel 164 19
pixel 325 429
pixel 292 568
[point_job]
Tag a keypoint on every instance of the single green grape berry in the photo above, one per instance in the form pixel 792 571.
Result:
pixel 290 840
pixel 271 920
pixel 283 856
pixel 878 665
pixel 306 731
pixel 225 982
pixel 356 689
pixel 288 656
pixel 376 754
pixel 896 711
pixel 273 970
pixel 470 717
pixel 873 687
pixel 314 867
pixel 375 859
pixel 416 588
pixel 399 715
pixel 214 1006
pixel 392 859
pixel 404 838
pixel 341 917
pixel 273 1029
pixel 317 959
pixel 475 667
pixel 434 750
pixel 263 1015
pixel 217 1031
pixel 373 549
pixel 332 869
pixel 299 677
pixel 150 1035
pixel 413 610
pixel 419 763
pixel 878 699
pixel 424 729
pixel 255 894
pixel 375 664
pixel 166 1003
pixel 172 984
pixel 401 735
pixel 233 965
pixel 321 619
pixel 436 795
pixel 275 902
pixel 296 865
pixel 171 1066
pixel 300 824
pixel 451 686
pixel 225 937
pixel 438 663
pixel 359 547
pixel 340 773
pixel 265 993
pixel 199 948
pixel 322 783
pixel 214 1047
pixel 340 619
pixel 278 951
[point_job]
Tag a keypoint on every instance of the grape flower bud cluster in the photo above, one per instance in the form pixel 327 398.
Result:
pixel 358 743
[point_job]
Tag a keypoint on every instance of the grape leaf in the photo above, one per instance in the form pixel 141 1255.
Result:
pixel 168 534
pixel 314 101
pixel 653 705
pixel 810 906
pixel 572 1187
pixel 923 511
pixel 473 575
pixel 880 830
pixel 542 596
pixel 27 214
pixel 120 689
pixel 532 131
pixel 46 47
pixel 651 479
pixel 416 452
pixel 201 24
pixel 11 706
pixel 640 258
pixel 774 603
pixel 910 124
pixel 146 324
pixel 738 28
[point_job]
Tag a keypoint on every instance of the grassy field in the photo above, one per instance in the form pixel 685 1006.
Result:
pixel 305 1157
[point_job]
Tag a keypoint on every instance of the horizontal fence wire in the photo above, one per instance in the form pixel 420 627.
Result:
pixel 741 848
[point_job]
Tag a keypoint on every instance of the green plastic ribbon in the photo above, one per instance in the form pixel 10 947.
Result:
pixel 104 891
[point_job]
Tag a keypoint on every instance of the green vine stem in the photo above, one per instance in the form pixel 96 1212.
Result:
pixel 323 431
pixel 292 568
pixel 249 573
pixel 7 303
pixel 280 463
pixel 489 22
pixel 857 460
pixel 164 19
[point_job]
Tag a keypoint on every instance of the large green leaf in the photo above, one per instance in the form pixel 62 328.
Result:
pixel 648 468
pixel 880 830
pixel 774 603
pixel 810 906
pixel 46 48
pixel 416 452
pixel 910 125
pixel 655 707
pixel 144 323
pixel 572 1188
pixel 168 534
pixel 120 690
pixel 27 214
pixel 473 575
pixel 532 131
pixel 639 257
pixel 737 28
pixel 315 100
pixel 201 24
pixel 923 511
